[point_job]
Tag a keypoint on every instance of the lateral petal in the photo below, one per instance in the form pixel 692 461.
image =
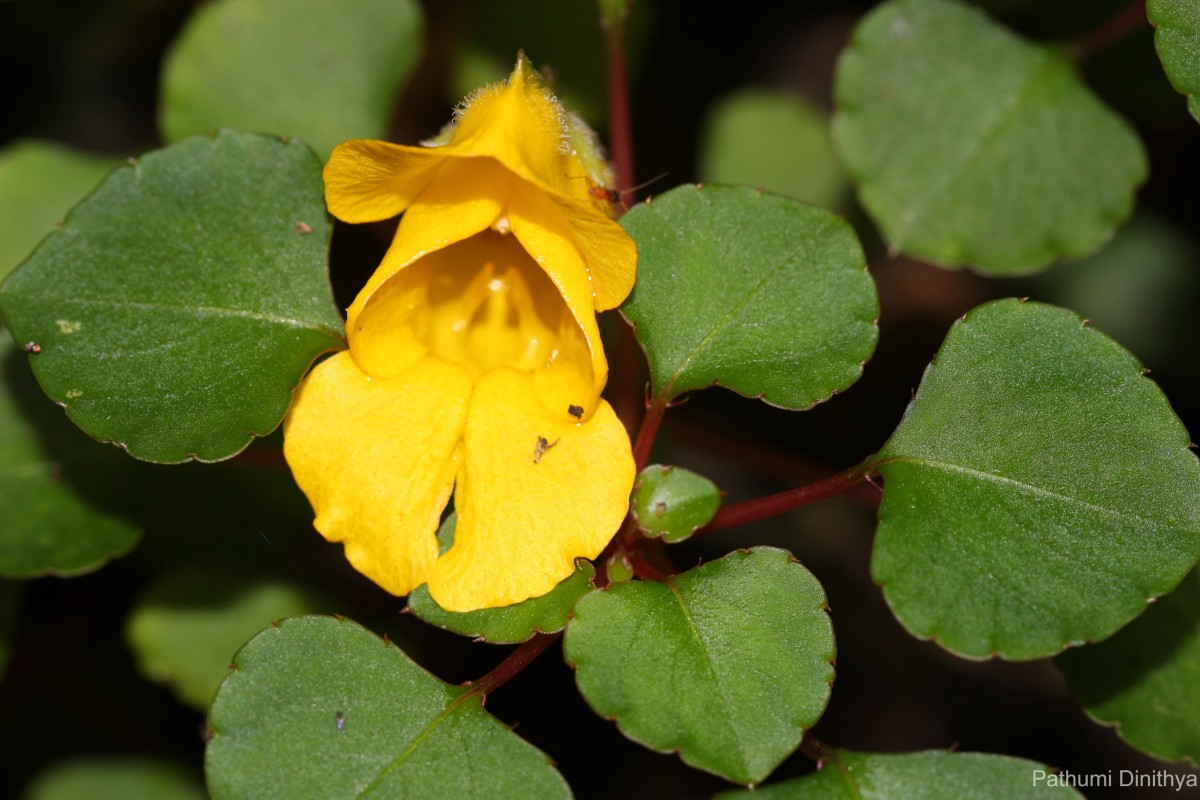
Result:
pixel 377 459
pixel 534 493
pixel 368 180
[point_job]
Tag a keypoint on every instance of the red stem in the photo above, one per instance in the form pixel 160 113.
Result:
pixel 775 504
pixel 620 127
pixel 1115 28
pixel 647 432
pixel 510 667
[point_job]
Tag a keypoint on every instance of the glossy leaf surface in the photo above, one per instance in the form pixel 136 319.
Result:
pixel 1177 40
pixel 360 720
pixel 728 663
pixel 183 300
pixel 755 292
pixel 1038 491
pixel 673 502
pixel 972 146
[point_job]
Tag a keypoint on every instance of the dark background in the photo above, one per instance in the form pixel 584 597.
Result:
pixel 85 74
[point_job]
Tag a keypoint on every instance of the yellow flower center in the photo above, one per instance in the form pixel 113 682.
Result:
pixel 485 304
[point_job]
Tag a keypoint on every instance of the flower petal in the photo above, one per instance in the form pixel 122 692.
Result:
pixel 611 255
pixel 546 235
pixel 377 459
pixel 519 123
pixel 368 180
pixel 534 493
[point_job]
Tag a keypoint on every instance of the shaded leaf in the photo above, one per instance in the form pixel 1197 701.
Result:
pixel 39 182
pixel 184 299
pixel 973 146
pixel 1145 680
pixel 929 775
pixel 751 291
pixel 1177 40
pixel 507 624
pixel 773 140
pixel 191 621
pixel 124 778
pixel 1038 491
pixel 324 72
pixel 68 504
pixel 672 502
pixel 728 663
pixel 360 719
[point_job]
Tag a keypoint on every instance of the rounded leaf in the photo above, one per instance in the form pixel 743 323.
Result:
pixel 728 663
pixel 321 708
pixel 1145 680
pixel 755 292
pixel 510 624
pixel 324 72
pixel 1038 491
pixel 930 775
pixel 1177 40
pixel 68 504
pixel 39 182
pixel 126 778
pixel 773 140
pixel 184 299
pixel 973 146
pixel 672 502
pixel 191 621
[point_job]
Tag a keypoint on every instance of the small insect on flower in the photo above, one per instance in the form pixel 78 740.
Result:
pixel 539 450
pixel 575 411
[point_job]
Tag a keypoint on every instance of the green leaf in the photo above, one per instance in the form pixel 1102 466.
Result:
pixel 1038 491
pixel 672 502
pixel 508 624
pixel 1145 680
pixel 321 708
pixel 126 778
pixel 183 301
pixel 728 663
pixel 773 140
pixel 324 72
pixel 1177 40
pixel 68 504
pixel 929 775
pixel 39 182
pixel 191 621
pixel 751 291
pixel 973 146
pixel 1139 289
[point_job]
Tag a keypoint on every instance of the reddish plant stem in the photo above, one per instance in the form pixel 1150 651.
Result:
pixel 517 660
pixel 620 126
pixel 628 380
pixel 647 432
pixel 775 504
pixel 1112 30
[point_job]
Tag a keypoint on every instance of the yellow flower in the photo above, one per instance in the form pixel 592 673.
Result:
pixel 475 364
